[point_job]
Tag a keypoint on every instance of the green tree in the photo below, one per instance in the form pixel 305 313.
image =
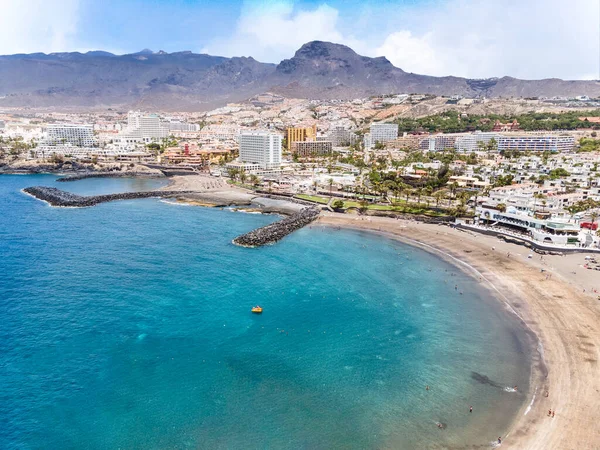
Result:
pixel 338 205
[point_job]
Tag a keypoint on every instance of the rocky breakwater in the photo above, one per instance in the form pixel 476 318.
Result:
pixel 278 230
pixel 84 175
pixel 56 197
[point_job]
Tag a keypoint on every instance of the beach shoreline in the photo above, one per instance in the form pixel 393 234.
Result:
pixel 566 324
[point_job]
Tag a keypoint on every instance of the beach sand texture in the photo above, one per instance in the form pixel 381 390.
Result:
pixel 565 319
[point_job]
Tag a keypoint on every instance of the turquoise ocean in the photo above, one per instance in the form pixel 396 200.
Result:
pixel 127 326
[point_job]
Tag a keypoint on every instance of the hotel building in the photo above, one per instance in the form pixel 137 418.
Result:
pixel 144 128
pixel 261 148
pixel 539 143
pixel 300 135
pixel 70 134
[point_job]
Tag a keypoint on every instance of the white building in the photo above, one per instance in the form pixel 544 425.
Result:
pixel 383 132
pixel 261 148
pixel 143 127
pixel 70 134
pixel 470 143
pixel 537 143
pixel 176 125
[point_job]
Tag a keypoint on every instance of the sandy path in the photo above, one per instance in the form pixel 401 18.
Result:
pixel 566 321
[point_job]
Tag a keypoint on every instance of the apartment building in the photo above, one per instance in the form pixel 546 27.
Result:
pixel 261 148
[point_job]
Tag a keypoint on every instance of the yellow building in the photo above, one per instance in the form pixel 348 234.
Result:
pixel 301 135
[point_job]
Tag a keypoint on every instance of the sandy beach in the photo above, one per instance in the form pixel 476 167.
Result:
pixel 211 191
pixel 550 303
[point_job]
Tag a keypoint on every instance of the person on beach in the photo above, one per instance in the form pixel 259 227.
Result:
pixel 549 412
pixel 499 439
pixel 553 413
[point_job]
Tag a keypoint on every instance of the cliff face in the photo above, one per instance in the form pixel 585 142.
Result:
pixel 190 81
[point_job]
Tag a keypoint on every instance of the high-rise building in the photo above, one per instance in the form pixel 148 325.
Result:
pixel 261 148
pixel 70 134
pixel 383 132
pixel 301 135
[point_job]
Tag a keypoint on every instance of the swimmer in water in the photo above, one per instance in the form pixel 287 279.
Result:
pixel 470 409
pixel 427 387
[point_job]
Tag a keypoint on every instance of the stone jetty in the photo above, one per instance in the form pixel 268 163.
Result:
pixel 278 230
pixel 84 175
pixel 56 197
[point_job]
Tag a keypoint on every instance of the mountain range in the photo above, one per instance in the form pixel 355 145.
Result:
pixel 190 81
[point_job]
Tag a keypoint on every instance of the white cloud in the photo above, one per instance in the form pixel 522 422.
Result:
pixel 470 38
pixel 274 31
pixel 526 39
pixel 28 26
pixel 407 51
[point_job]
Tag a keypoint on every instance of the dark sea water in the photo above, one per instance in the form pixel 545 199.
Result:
pixel 127 325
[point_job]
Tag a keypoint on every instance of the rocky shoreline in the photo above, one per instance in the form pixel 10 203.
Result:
pixel 56 197
pixel 276 231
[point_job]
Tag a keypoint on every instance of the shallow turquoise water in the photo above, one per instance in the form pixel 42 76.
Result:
pixel 128 325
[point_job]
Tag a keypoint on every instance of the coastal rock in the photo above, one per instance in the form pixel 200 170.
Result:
pixel 278 230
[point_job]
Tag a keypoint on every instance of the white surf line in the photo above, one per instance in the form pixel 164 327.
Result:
pixel 532 401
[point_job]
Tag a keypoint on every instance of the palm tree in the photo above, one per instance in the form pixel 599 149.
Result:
pixel 389 185
pixel 501 207
pixel 243 175
pixel 330 182
pixel 428 192
pixel 419 192
pixel 439 195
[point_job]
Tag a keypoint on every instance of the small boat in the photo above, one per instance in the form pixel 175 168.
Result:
pixel 257 310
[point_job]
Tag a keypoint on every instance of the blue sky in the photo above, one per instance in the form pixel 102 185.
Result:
pixel 473 38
